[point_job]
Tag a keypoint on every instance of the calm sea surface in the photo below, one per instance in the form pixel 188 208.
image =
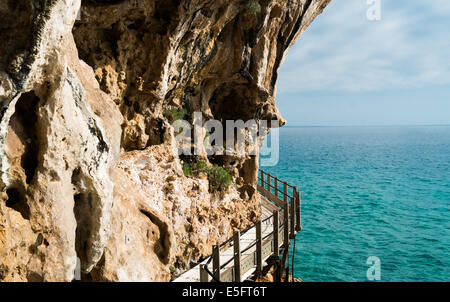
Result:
pixel 370 191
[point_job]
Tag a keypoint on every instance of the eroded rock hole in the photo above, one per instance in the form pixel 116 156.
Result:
pixel 232 103
pixel 162 245
pixel 82 232
pixel 34 277
pixel 82 208
pixel 24 124
pixel 17 202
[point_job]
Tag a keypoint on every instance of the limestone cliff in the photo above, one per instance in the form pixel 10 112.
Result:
pixel 89 166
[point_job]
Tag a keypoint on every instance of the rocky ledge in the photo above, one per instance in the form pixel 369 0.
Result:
pixel 89 167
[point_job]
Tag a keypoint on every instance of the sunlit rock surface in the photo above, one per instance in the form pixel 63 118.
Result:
pixel 89 168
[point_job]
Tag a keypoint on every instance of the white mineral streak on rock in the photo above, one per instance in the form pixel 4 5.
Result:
pixel 89 166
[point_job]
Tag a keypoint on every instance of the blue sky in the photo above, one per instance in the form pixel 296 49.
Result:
pixel 347 70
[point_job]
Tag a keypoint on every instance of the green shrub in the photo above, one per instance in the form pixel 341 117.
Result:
pixel 187 169
pixel 194 168
pixel 253 6
pixel 175 114
pixel 219 179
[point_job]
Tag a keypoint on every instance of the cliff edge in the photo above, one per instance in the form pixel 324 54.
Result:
pixel 89 167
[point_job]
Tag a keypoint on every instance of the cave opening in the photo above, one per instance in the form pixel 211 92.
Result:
pixel 162 245
pixel 82 226
pixel 232 103
pixel 17 202
pixel 81 209
pixel 24 123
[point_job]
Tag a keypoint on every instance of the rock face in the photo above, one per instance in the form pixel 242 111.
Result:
pixel 89 166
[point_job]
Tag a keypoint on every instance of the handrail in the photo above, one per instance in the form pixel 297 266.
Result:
pixel 262 172
pixel 265 219
pixel 226 263
pixel 249 246
pixel 290 224
pixel 273 186
pixel 268 235
pixel 205 267
pixel 226 242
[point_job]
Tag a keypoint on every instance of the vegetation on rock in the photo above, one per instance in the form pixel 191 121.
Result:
pixel 219 179
pixel 253 6
pixel 175 114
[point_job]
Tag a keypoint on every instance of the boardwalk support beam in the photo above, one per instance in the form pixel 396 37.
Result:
pixel 292 216
pixel 286 217
pixel 259 264
pixel 276 233
pixel 237 257
pixel 216 262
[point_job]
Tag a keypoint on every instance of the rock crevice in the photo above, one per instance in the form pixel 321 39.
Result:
pixel 89 166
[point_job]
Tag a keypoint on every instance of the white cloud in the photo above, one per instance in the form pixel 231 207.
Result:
pixel 343 51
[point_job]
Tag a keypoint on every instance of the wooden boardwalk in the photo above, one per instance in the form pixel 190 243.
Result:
pixel 244 254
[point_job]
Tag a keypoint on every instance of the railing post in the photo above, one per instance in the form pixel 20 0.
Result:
pixel 204 277
pixel 216 262
pixel 299 213
pixel 278 270
pixel 276 233
pixel 286 217
pixel 286 273
pixel 276 187
pixel 237 256
pixel 286 235
pixel 258 248
pixel 262 178
pixel 269 183
pixel 293 210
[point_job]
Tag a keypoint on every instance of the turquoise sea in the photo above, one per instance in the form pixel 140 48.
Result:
pixel 370 191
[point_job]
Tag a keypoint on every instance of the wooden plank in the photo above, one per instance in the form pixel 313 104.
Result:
pixel 216 262
pixel 267 206
pixel 237 256
pixel 258 248
pixel 266 249
pixel 247 263
pixel 276 232
pixel 227 275
pixel 271 196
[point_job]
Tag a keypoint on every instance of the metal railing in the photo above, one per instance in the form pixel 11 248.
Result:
pixel 288 209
